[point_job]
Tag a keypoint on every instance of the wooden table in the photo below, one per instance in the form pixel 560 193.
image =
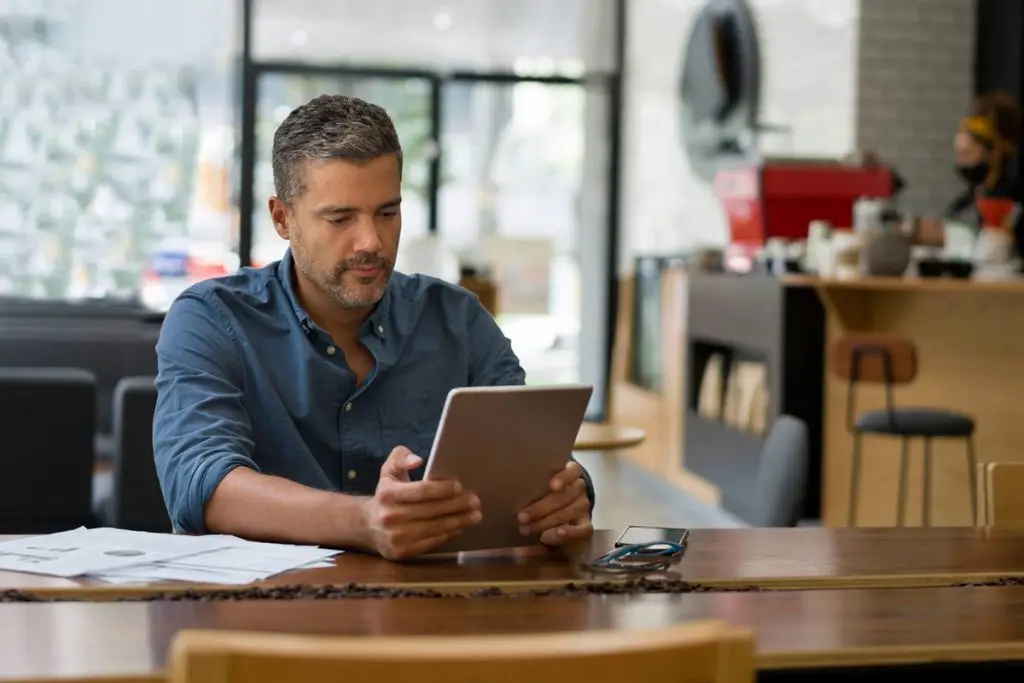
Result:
pixel 794 630
pixel 607 437
pixel 780 558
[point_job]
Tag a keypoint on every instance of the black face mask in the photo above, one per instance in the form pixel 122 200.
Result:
pixel 974 175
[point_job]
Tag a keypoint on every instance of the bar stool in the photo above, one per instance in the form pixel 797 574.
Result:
pixel 891 359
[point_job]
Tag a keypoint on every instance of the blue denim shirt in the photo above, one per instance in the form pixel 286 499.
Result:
pixel 247 379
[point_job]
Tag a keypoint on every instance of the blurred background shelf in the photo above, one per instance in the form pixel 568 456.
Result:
pixel 758 321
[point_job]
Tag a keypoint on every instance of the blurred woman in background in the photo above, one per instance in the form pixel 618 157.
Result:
pixel 983 148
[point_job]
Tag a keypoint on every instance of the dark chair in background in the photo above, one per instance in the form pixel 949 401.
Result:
pixel 890 360
pixel 782 474
pixel 110 341
pixel 135 501
pixel 47 425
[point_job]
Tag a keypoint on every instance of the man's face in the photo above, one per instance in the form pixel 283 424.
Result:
pixel 345 227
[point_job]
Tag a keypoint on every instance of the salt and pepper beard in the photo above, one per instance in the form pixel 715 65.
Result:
pixel 331 284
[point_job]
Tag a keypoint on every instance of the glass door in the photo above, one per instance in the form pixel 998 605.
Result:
pixel 512 161
pixel 407 100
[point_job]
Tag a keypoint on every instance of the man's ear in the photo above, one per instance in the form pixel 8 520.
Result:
pixel 279 214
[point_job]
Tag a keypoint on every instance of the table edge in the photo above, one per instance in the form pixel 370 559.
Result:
pixel 880 581
pixel 868 656
pixel 864 657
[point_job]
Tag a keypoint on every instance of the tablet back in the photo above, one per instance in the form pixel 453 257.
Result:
pixel 505 444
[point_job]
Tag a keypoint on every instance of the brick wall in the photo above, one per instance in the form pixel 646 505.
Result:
pixel 915 78
pixel 840 74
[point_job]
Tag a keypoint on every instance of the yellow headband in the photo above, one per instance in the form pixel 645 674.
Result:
pixel 981 128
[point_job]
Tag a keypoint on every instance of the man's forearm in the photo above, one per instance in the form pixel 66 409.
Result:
pixel 261 507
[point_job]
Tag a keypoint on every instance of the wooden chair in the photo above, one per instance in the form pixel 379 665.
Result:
pixel 889 360
pixel 1000 491
pixel 702 652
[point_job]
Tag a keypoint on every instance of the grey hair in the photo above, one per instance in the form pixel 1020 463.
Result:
pixel 329 127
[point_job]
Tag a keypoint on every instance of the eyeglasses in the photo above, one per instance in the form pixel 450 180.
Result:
pixel 638 558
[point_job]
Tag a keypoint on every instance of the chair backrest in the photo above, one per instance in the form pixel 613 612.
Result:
pixel 704 652
pixel 1003 503
pixel 108 347
pixel 136 501
pixel 865 357
pixel 47 427
pixel 782 474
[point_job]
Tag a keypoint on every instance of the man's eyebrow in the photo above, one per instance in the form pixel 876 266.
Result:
pixel 333 210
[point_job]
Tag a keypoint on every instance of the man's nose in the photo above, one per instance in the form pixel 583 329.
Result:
pixel 368 237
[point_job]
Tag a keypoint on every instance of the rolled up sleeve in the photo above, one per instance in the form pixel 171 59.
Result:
pixel 493 363
pixel 201 430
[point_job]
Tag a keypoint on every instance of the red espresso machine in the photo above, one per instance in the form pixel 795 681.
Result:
pixel 780 198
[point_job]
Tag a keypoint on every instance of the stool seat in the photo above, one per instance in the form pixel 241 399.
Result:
pixel 924 422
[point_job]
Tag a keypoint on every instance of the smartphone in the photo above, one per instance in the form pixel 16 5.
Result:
pixel 637 535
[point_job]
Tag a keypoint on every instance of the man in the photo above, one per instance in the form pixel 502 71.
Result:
pixel 294 399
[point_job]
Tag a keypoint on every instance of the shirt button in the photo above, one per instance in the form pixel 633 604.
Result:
pixel 352 474
pixel 380 329
pixel 331 350
pixel 348 407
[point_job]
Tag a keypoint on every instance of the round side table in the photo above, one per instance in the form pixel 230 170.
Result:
pixel 595 436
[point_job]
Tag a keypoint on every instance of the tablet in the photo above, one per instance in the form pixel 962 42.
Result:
pixel 504 444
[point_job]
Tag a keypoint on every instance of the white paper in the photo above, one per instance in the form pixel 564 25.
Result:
pixel 244 563
pixel 128 557
pixel 265 558
pixel 153 573
pixel 87 551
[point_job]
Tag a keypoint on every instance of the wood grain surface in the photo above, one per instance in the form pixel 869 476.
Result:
pixel 793 629
pixel 799 558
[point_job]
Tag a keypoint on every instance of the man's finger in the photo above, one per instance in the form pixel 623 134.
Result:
pixel 553 501
pixel 578 508
pixel 427 544
pixel 415 512
pixel 566 533
pixel 398 464
pixel 413 492
pixel 442 527
pixel 570 473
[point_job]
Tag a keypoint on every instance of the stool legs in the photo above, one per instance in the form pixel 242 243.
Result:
pixel 926 514
pixel 926 494
pixel 854 481
pixel 901 499
pixel 972 473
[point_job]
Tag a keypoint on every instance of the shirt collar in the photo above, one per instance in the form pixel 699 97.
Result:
pixel 378 323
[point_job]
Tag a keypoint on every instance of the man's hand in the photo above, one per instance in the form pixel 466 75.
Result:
pixel 406 518
pixel 562 515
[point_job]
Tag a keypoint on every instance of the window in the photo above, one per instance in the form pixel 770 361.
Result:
pixel 117 147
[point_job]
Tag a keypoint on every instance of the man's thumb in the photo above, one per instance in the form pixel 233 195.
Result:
pixel 399 462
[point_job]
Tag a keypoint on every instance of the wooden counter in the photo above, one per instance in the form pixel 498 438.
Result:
pixel 792 630
pixel 970 336
pixel 802 558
